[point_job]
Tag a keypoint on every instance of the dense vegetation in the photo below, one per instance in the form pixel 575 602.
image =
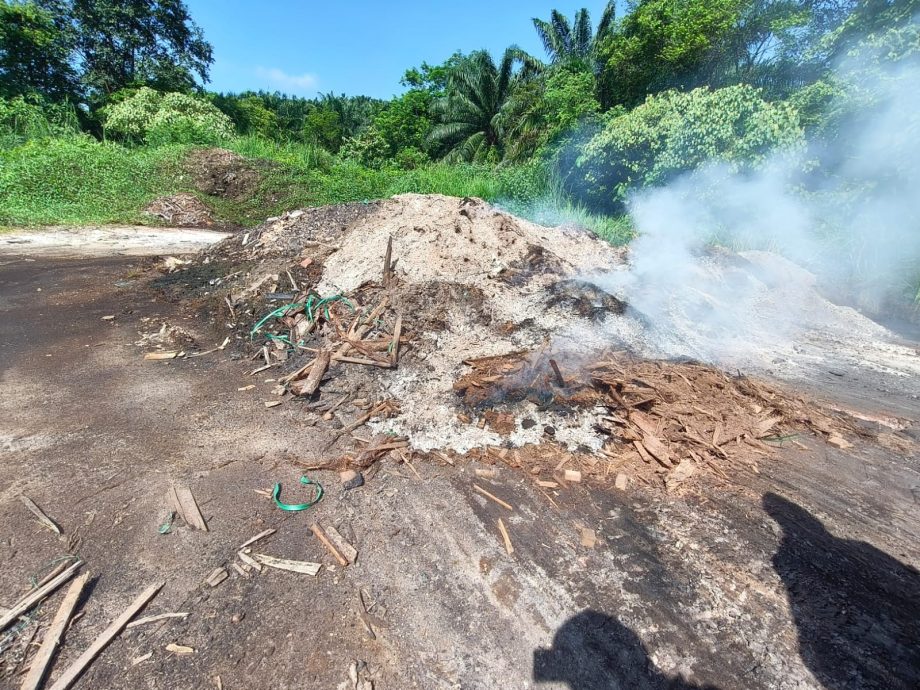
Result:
pixel 100 100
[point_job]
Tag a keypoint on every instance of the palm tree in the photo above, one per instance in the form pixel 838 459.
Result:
pixel 475 110
pixel 566 42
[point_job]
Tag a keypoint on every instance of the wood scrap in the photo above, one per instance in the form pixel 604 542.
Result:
pixel 509 548
pixel 161 355
pixel 394 347
pixel 249 560
pixel 105 637
pixel 217 576
pixel 588 537
pixel 242 572
pixel 38 513
pixel 330 547
pixel 183 501
pixel 572 476
pixel 347 550
pixel 36 595
pixel 253 540
pixel 303 567
pixel 146 620
pixel 311 384
pixel 179 649
pixel 493 497
pixel 42 658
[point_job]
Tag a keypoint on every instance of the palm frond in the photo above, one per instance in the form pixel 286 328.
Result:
pixel 562 30
pixel 605 26
pixel 581 34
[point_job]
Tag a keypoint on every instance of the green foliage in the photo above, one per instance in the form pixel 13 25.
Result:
pixel 431 78
pixel 171 118
pixel 34 53
pixel 121 43
pixel 406 122
pixel 79 180
pixel 475 113
pixel 21 120
pixel 368 148
pixel 675 132
pixel 576 42
pixel 323 127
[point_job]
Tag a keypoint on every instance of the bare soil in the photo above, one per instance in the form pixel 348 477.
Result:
pixel 800 572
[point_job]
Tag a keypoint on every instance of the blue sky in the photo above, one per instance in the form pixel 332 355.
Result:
pixel 357 47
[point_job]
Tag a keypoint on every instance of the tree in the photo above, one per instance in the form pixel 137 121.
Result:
pixel 34 53
pixel 474 113
pixel 121 43
pixel 566 42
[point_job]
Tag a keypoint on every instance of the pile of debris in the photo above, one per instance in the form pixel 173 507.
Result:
pixel 478 334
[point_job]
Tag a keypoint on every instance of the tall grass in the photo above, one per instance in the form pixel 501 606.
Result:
pixel 78 180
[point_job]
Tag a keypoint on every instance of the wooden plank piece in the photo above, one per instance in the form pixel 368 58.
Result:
pixel 303 567
pixel 115 627
pixel 310 385
pixel 154 619
pixel 38 513
pixel 397 331
pixel 505 537
pixel 493 497
pixel 187 507
pixel 346 549
pixel 321 535
pixel 36 595
pixel 52 638
pixel 253 540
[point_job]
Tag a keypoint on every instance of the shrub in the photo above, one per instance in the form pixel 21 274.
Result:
pixel 21 120
pixel 166 118
pixel 674 132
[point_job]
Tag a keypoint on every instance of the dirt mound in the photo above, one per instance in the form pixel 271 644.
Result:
pixel 463 330
pixel 181 210
pixel 222 173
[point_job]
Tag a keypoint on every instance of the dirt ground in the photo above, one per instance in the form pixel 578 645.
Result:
pixel 802 575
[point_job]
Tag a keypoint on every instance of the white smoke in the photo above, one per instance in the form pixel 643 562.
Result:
pixel 852 220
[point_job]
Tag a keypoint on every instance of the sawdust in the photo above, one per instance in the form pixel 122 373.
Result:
pixel 468 281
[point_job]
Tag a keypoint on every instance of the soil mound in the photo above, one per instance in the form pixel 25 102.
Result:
pixel 222 173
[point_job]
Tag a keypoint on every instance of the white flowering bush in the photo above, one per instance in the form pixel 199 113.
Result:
pixel 674 132
pixel 166 118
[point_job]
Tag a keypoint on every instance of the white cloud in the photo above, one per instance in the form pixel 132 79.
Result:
pixel 288 82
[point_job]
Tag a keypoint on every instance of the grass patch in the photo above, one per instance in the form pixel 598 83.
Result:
pixel 78 180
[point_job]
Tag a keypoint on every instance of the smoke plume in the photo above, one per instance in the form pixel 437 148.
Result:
pixel 841 215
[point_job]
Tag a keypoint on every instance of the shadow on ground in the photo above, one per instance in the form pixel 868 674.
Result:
pixel 857 611
pixel 594 651
pixel 856 608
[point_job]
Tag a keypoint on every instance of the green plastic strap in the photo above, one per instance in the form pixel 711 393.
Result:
pixel 295 507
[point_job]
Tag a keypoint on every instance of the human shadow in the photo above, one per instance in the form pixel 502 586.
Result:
pixel 594 651
pixel 856 608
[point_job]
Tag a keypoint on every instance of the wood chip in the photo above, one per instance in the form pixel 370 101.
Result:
pixel 572 476
pixel 489 473
pixel 36 595
pixel 839 441
pixel 253 540
pixel 250 561
pixel 493 497
pixel 588 537
pixel 621 481
pixel 217 576
pixel 310 385
pixel 303 567
pixel 657 449
pixel 763 427
pixel 240 571
pixel 184 503
pixel 141 659
pixel 272 403
pixel 247 388
pixel 179 650
pixel 85 659
pixel 37 512
pixel 394 347
pixel 506 537
pixel 321 535
pixel 346 549
pixel 52 638
pixel 161 355
pixel 154 619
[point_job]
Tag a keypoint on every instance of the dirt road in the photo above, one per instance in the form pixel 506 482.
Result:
pixel 801 576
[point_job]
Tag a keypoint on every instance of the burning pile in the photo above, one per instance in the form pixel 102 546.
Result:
pixel 472 332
